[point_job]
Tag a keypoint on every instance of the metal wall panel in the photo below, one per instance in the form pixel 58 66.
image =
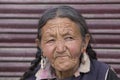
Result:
pixel 18 27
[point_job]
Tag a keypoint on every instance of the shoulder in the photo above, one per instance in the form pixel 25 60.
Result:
pixel 95 64
pixel 103 70
pixel 99 69
pixel 32 76
pixel 112 75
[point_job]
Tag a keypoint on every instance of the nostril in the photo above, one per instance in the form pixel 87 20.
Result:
pixel 60 49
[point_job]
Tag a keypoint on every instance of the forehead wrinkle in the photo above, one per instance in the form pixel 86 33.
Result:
pixel 68 28
pixel 61 27
pixel 50 33
pixel 58 28
pixel 66 31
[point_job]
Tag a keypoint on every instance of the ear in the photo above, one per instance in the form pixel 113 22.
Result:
pixel 87 39
pixel 37 41
pixel 85 43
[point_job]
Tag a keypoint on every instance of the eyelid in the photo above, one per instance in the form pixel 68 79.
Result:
pixel 69 38
pixel 50 40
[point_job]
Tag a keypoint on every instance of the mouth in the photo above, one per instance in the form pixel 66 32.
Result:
pixel 62 57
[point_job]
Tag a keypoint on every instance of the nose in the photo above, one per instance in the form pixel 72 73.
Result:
pixel 60 47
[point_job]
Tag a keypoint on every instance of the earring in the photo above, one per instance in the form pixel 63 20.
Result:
pixel 43 62
pixel 85 62
pixel 83 57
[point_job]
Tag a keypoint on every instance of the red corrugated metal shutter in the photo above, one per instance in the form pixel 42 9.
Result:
pixel 18 27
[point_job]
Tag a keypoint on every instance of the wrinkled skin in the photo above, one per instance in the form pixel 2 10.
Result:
pixel 62 44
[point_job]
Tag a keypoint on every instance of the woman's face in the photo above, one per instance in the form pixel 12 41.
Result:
pixel 61 43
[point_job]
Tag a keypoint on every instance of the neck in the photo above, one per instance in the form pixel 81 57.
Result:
pixel 66 74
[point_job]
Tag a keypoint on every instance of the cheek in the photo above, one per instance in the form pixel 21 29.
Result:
pixel 48 51
pixel 75 50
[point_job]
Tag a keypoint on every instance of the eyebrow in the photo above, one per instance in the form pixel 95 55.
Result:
pixel 67 33
pixel 48 34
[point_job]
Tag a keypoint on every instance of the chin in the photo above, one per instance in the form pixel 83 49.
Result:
pixel 63 67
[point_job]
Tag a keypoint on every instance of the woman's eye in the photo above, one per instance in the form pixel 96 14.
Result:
pixel 68 38
pixel 51 40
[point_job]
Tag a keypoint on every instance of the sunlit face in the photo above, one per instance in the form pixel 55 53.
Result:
pixel 61 43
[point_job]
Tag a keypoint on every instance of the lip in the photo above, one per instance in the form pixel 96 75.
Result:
pixel 62 57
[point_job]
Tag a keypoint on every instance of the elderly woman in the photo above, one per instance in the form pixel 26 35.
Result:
pixel 64 50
